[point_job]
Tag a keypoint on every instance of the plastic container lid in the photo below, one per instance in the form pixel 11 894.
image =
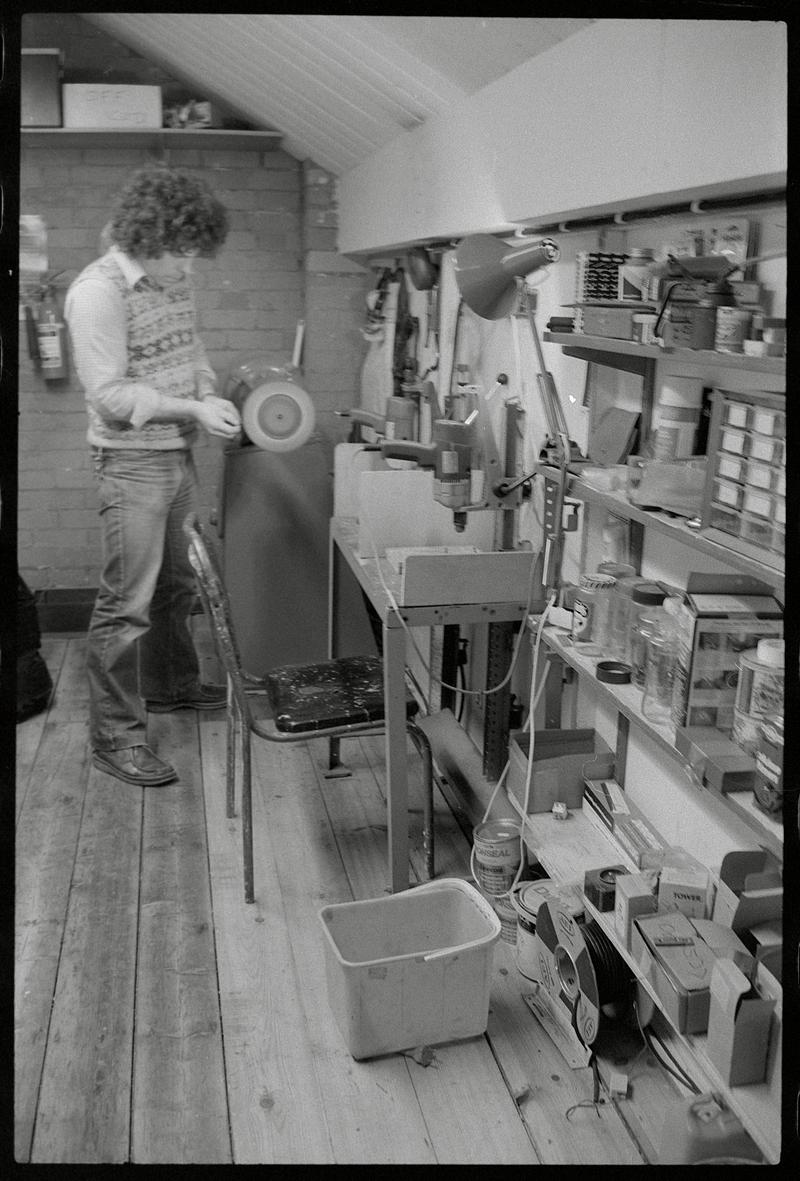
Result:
pixel 650 593
pixel 770 652
pixel 597 581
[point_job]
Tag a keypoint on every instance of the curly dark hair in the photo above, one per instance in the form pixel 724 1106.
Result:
pixel 165 209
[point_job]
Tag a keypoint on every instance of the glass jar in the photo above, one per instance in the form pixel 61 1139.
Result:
pixel 645 628
pixel 644 597
pixel 590 611
pixel 620 615
pixel 659 675
pixel 618 571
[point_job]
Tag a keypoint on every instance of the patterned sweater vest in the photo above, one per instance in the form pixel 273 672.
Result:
pixel 161 353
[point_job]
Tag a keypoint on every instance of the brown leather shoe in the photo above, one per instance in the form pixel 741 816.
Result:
pixel 135 764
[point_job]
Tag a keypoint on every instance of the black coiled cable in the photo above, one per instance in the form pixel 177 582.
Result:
pixel 612 973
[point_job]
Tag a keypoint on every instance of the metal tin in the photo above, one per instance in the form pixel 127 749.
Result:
pixel 527 897
pixel 497 854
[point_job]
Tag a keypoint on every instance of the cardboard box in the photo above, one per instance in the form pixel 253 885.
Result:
pixel 635 895
pixel 738 1026
pixel 40 88
pixel 721 617
pixel 679 971
pixel 719 763
pixel 676 956
pixel 684 888
pixel 101 105
pixel 749 892
pixel 561 759
pixel 768 981
pixel 610 321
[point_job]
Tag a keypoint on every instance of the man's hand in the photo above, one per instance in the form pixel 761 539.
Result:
pixel 218 416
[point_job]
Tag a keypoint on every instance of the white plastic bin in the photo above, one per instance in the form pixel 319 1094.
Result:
pixel 410 969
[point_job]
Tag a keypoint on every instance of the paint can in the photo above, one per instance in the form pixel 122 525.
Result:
pixel 731 329
pixel 497 854
pixel 526 898
pixel 504 909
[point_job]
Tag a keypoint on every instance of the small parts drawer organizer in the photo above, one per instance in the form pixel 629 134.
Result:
pixel 745 500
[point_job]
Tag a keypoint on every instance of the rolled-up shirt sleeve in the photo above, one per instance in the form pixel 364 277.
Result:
pixel 95 313
pixel 204 375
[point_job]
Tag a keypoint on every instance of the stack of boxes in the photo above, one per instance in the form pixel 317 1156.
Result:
pixel 704 954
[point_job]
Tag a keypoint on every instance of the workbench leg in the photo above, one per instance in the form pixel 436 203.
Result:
pixel 394 690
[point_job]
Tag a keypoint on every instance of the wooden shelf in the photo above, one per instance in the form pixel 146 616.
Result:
pixel 675 527
pixel 559 847
pixel 627 700
pixel 756 1105
pixel 606 350
pixel 164 137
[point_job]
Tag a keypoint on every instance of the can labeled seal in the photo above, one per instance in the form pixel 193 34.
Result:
pixel 497 854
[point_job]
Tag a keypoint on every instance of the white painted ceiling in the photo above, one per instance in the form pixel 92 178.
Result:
pixel 337 87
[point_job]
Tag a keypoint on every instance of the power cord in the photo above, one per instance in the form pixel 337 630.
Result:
pixel 534 697
pixel 676 1070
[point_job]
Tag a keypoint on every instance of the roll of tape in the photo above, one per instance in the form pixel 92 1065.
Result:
pixel 614 672
pixel 278 416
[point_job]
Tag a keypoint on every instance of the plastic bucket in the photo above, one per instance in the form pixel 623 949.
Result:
pixel 497 855
pixel 410 969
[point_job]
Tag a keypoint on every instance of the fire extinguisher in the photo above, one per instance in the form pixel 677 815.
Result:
pixel 51 337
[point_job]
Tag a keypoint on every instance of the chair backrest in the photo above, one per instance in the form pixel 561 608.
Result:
pixel 216 603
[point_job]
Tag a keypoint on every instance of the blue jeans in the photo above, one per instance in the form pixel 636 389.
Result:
pixel 139 644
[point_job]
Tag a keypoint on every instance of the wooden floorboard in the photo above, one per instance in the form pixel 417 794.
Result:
pixel 160 1019
pixel 83 1112
pixel 179 1098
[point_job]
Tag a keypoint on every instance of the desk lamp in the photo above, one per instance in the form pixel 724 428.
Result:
pixel 486 271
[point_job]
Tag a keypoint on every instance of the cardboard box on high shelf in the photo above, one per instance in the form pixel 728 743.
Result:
pixel 105 105
pixel 718 761
pixel 611 320
pixel 721 617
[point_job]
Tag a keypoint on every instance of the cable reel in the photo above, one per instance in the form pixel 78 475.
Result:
pixel 579 967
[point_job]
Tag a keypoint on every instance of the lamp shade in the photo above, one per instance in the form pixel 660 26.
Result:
pixel 485 270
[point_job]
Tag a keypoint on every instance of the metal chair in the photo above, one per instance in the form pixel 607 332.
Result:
pixel 330 699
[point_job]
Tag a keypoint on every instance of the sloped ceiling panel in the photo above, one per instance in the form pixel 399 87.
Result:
pixel 337 87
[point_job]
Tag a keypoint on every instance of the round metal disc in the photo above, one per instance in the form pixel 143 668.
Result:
pixel 278 416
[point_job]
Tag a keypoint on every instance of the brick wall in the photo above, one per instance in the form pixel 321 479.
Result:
pixel 279 265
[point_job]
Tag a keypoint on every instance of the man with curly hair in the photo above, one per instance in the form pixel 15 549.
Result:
pixel 148 387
